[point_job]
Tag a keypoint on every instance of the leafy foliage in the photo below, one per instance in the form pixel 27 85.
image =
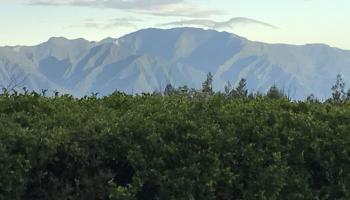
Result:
pixel 182 145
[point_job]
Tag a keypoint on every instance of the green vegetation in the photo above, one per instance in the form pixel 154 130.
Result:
pixel 184 144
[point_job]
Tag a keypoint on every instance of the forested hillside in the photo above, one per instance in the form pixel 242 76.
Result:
pixel 182 144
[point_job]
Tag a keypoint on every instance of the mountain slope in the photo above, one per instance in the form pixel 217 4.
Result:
pixel 147 60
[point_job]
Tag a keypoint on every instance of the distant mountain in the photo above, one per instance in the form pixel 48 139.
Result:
pixel 147 60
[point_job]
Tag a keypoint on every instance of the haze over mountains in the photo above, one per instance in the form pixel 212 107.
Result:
pixel 149 59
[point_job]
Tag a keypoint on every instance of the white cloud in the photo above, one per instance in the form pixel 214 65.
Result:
pixel 150 7
pixel 118 4
pixel 219 25
pixel 184 10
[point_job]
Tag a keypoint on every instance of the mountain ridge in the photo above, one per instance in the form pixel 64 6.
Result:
pixel 185 27
pixel 148 59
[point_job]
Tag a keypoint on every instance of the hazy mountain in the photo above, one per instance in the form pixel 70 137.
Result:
pixel 148 59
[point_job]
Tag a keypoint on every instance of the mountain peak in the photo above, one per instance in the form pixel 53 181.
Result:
pixel 107 40
pixel 63 40
pixel 57 39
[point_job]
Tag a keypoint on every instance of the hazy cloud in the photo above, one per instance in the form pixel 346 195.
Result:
pixel 219 25
pixel 150 7
pixel 110 24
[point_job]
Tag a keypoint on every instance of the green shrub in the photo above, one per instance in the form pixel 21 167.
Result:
pixel 172 147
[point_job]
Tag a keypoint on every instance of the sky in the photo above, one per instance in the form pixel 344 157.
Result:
pixel 30 22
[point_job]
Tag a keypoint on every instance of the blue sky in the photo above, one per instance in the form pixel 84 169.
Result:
pixel 28 22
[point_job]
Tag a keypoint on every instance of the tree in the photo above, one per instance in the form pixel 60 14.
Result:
pixel 275 93
pixel 228 88
pixel 14 80
pixel 338 89
pixel 348 95
pixel 56 93
pixel 44 91
pixel 312 99
pixel 169 89
pixel 183 90
pixel 241 89
pixel 207 86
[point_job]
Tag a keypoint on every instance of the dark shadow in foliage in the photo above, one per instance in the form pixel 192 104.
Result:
pixel 149 191
pixel 123 172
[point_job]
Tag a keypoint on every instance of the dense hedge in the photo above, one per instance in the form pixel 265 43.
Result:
pixel 172 147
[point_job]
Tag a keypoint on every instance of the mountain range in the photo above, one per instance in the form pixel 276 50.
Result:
pixel 149 59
